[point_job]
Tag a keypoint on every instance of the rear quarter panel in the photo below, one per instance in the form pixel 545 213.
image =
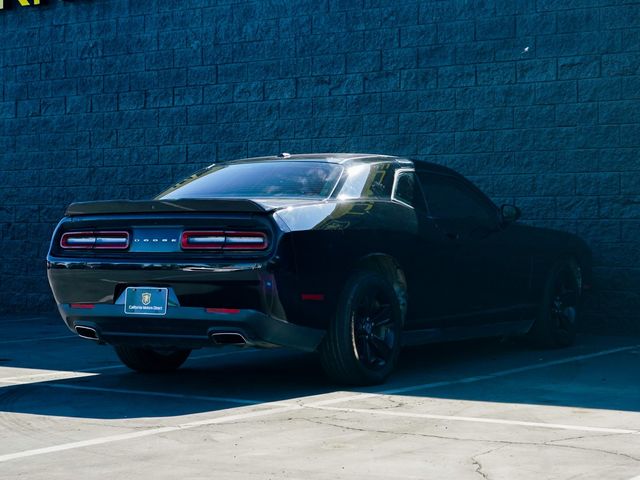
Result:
pixel 330 239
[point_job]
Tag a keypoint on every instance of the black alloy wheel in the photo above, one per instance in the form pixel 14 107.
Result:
pixel 363 339
pixel 564 303
pixel 373 328
pixel 557 321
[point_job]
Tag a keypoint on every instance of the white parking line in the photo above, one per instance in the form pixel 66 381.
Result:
pixel 29 319
pixel 38 339
pixel 181 396
pixel 478 378
pixel 145 433
pixel 96 370
pixel 453 418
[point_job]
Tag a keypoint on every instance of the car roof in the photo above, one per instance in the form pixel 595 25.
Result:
pixel 341 158
pixel 349 158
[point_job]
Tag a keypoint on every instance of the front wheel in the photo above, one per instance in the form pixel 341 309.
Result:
pixel 557 321
pixel 148 360
pixel 363 339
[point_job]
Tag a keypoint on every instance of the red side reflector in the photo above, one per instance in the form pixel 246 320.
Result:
pixel 318 297
pixel 82 305
pixel 222 310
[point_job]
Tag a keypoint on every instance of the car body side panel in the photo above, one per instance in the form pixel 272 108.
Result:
pixel 351 231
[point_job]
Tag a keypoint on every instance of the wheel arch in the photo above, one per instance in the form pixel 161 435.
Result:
pixel 390 268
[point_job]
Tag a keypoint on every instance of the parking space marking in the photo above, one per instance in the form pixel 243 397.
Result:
pixel 27 319
pixel 324 405
pixel 181 396
pixel 454 418
pixel 119 366
pixel 477 378
pixel 38 339
pixel 146 433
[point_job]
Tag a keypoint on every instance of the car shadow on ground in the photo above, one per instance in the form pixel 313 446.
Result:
pixel 479 371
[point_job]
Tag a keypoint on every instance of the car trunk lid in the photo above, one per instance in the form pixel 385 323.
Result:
pixel 167 206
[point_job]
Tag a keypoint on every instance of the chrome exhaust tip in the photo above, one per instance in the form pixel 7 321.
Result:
pixel 228 338
pixel 87 332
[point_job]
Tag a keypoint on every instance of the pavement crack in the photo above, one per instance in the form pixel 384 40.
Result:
pixel 552 443
pixel 318 421
pixel 500 443
pixel 479 467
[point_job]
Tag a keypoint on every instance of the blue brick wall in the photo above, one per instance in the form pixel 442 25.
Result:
pixel 538 101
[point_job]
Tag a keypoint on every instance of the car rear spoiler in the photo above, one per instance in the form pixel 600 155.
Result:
pixel 163 206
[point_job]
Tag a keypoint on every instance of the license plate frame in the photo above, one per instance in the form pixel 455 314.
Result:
pixel 146 301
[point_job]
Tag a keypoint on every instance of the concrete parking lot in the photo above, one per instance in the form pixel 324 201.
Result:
pixel 489 409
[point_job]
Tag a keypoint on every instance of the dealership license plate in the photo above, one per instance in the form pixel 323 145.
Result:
pixel 145 301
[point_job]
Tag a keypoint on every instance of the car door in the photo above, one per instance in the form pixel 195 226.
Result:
pixel 428 258
pixel 488 273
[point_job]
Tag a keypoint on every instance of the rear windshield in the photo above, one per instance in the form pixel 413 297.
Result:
pixel 259 180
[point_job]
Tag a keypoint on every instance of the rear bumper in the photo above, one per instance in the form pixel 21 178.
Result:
pixel 188 327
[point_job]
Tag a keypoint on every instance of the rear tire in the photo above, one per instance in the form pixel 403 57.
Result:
pixel 557 321
pixel 363 340
pixel 147 360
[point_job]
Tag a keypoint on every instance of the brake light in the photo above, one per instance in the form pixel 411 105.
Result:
pixel 100 240
pixel 219 240
pixel 202 240
pixel 245 241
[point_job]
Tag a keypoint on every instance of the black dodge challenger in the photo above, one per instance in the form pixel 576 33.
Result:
pixel 347 254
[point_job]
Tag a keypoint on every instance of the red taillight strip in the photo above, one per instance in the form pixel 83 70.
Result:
pixel 318 297
pixel 200 240
pixel 220 240
pixel 83 305
pixel 245 241
pixel 98 240
pixel 223 310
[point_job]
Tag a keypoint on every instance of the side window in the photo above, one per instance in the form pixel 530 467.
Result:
pixel 449 198
pixel 367 181
pixel 407 190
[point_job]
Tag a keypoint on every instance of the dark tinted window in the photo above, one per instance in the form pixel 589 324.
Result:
pixel 260 180
pixel 449 198
pixel 408 191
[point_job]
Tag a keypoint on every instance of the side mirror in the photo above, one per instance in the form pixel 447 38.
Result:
pixel 509 214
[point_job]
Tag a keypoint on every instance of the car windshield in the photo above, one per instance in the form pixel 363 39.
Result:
pixel 297 179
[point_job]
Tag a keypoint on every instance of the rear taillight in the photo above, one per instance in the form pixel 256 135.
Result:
pixel 219 240
pixel 245 241
pixel 109 240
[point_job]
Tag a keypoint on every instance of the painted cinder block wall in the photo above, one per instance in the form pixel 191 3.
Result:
pixel 537 100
